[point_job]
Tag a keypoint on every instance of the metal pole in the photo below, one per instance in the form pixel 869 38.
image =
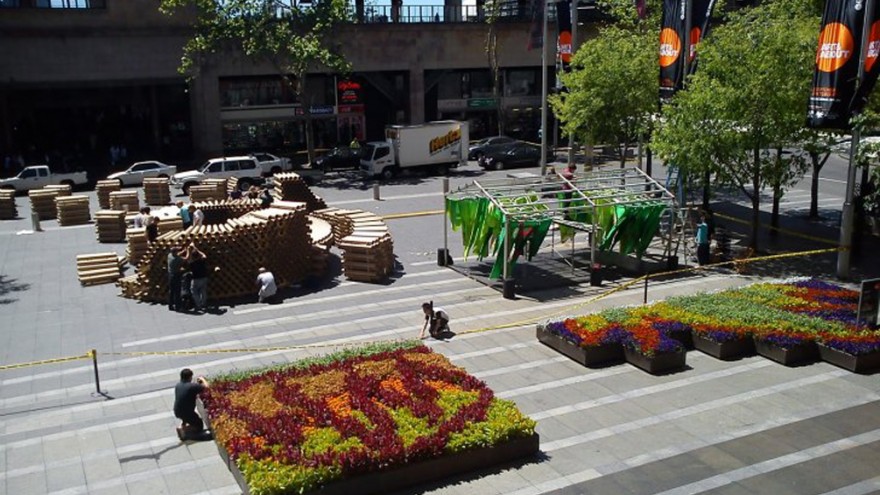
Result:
pixel 445 257
pixel 572 145
pixel 376 192
pixel 645 299
pixel 506 244
pixel 848 217
pixel 94 354
pixel 544 129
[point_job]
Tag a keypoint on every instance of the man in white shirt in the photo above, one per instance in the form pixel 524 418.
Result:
pixel 266 285
pixel 198 217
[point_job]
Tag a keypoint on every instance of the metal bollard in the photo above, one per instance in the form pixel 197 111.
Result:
pixel 376 192
pixel 445 185
pixel 35 221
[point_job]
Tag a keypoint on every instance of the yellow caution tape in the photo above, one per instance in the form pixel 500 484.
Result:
pixel 44 361
pixel 427 213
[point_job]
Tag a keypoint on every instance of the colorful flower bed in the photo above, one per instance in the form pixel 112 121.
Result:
pixel 784 314
pixel 296 428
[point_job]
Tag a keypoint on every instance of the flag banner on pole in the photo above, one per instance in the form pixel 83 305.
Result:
pixel 837 64
pixel 872 68
pixel 536 30
pixel 701 10
pixel 641 8
pixel 671 35
pixel 563 43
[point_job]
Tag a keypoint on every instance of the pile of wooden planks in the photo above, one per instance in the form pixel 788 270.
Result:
pixel 168 224
pixel 137 245
pixel 43 202
pixel 101 268
pixel 208 190
pixel 110 225
pixel 8 210
pixel 231 185
pixel 221 211
pixel 157 192
pixel 368 250
pixel 63 189
pixel 124 200
pixel 278 239
pixel 104 188
pixel 289 186
pixel 72 210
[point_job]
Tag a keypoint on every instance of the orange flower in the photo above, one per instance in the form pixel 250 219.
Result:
pixel 394 384
pixel 340 405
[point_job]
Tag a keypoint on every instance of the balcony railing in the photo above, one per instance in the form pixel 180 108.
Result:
pixel 53 4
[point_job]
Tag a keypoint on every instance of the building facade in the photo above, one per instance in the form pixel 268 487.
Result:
pixel 80 77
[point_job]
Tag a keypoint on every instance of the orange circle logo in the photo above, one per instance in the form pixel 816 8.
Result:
pixel 695 38
pixel 565 46
pixel 873 46
pixel 835 47
pixel 670 47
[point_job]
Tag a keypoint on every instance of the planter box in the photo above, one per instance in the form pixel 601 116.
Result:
pixel 407 475
pixel 806 353
pixel 591 357
pixel 659 363
pixel 686 339
pixel 728 351
pixel 865 363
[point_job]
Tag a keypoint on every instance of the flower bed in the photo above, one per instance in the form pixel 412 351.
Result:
pixel 319 423
pixel 786 321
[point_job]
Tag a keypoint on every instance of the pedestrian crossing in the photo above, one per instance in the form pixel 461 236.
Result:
pixel 599 427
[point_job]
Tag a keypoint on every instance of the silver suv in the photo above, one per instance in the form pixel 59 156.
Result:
pixel 245 168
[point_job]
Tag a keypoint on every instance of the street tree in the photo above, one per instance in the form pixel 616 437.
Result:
pixel 492 9
pixel 611 90
pixel 748 97
pixel 294 38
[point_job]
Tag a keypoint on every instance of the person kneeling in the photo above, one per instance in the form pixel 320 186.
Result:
pixel 185 394
pixel 436 321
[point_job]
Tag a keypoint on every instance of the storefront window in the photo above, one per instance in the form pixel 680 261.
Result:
pixel 521 82
pixel 277 135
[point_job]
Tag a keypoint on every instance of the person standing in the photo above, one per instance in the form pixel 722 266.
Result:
pixel 185 394
pixel 198 217
pixel 175 267
pixel 702 240
pixel 142 218
pixel 151 224
pixel 266 285
pixel 185 215
pixel 198 267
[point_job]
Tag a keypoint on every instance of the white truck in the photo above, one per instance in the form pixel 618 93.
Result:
pixel 244 168
pixel 37 176
pixel 435 145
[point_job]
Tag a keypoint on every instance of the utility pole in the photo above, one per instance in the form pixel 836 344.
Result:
pixel 544 129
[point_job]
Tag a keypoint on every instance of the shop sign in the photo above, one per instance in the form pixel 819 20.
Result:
pixel 317 110
pixel 451 105
pixel 351 108
pixel 482 103
pixel 348 92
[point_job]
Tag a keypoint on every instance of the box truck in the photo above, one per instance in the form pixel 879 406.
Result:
pixel 433 145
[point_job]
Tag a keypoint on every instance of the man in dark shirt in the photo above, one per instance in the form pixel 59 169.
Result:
pixel 175 265
pixel 185 393
pixel 198 267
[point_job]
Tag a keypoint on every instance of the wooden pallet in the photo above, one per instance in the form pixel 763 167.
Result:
pixel 100 268
pixel 368 250
pixel 208 191
pixel 104 188
pixel 72 210
pixel 8 210
pixel 157 192
pixel 289 186
pixel 63 189
pixel 43 202
pixel 124 200
pixel 110 225
pixel 137 245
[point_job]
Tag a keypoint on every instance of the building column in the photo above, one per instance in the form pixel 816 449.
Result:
pixel 417 95
pixel 204 97
pixel 154 120
pixel 5 131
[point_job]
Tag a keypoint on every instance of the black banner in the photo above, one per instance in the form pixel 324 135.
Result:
pixel 536 29
pixel 872 68
pixel 671 43
pixel 837 64
pixel 563 43
pixel 701 11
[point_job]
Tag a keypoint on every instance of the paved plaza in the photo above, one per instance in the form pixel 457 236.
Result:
pixel 746 426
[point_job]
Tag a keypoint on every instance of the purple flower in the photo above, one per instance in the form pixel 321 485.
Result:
pixel 784 341
pixel 720 336
pixel 667 327
pixel 854 348
pixel 615 335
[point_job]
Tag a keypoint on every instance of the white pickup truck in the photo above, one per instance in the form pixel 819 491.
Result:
pixel 37 176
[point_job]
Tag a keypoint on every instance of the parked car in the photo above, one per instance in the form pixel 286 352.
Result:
pixel 245 168
pixel 37 176
pixel 340 158
pixel 485 145
pixel 512 155
pixel 135 174
pixel 271 164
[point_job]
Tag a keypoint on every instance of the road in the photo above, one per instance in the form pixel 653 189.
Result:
pixel 747 426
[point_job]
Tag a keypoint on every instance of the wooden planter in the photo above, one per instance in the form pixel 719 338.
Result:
pixel 591 357
pixel 686 339
pixel 407 475
pixel 864 363
pixel 659 363
pixel 728 351
pixel 805 353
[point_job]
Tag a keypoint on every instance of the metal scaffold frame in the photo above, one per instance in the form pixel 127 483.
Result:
pixel 621 186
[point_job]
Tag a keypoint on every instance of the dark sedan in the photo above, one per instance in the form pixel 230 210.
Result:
pixel 339 158
pixel 486 145
pixel 513 155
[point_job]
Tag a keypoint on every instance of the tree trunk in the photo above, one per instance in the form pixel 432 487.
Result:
pixel 707 179
pixel 624 146
pixel 307 111
pixel 756 199
pixel 814 186
pixel 777 194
